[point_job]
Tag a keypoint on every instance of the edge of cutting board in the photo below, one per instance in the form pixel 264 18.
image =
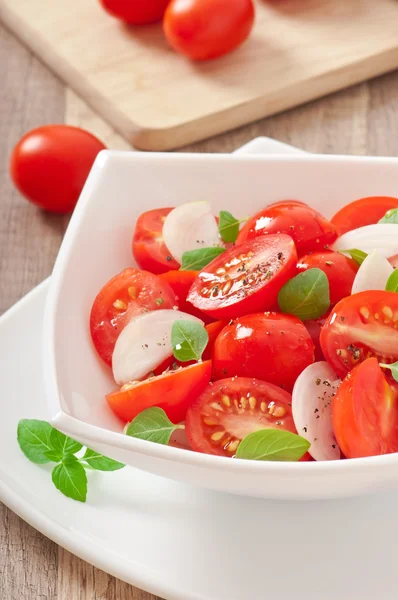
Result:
pixel 169 138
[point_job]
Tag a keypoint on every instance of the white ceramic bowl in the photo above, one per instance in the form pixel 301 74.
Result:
pixel 97 245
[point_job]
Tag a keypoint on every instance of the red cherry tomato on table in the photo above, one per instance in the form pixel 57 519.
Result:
pixel 365 211
pixel 359 327
pixel 181 282
pixel 50 165
pixel 149 249
pixel 365 412
pixel 340 271
pixel 136 12
pixel 245 279
pixel 229 409
pixel 130 293
pixel 310 231
pixel 267 346
pixel 204 29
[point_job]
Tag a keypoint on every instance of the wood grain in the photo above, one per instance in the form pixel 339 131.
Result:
pixel 361 120
pixel 299 50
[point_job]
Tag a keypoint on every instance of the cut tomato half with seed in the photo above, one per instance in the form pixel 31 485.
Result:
pixel 149 249
pixel 229 409
pixel 173 391
pixel 245 279
pixel 359 327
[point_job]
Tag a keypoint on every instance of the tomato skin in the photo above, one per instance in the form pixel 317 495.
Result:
pixel 310 231
pixel 361 326
pixel 173 391
pixel 253 275
pixel 340 271
pixel 108 321
pixel 149 249
pixel 213 329
pixel 181 282
pixel 314 328
pixel 267 346
pixel 206 29
pixel 219 408
pixel 49 165
pixel 136 12
pixel 365 211
pixel 365 412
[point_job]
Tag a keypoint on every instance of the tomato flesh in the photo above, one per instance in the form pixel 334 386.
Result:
pixel 173 391
pixel 149 249
pixel 230 409
pixel 365 412
pixel 267 346
pixel 245 279
pixel 359 327
pixel 365 211
pixel 340 271
pixel 181 282
pixel 128 294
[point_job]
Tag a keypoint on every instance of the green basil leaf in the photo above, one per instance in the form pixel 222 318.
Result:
pixel 70 478
pixel 355 254
pixel 228 226
pixel 101 463
pixel 152 425
pixel 392 282
pixel 195 260
pixel 34 440
pixel 62 444
pixel 272 444
pixel 391 217
pixel 188 340
pixel 393 368
pixel 306 296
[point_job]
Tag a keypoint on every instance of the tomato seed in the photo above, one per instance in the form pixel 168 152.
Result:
pixel 252 402
pixel 216 437
pixel 120 305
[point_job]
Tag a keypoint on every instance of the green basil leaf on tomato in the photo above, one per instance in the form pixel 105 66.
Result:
pixel 306 296
pixel 195 260
pixel 392 282
pixel 152 425
pixel 272 444
pixel 390 217
pixel 355 254
pixel 188 340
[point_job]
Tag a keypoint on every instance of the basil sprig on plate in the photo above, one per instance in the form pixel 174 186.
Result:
pixel 306 296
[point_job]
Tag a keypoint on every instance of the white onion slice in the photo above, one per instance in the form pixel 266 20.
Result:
pixel 381 237
pixel 312 409
pixel 144 344
pixel 189 227
pixel 372 274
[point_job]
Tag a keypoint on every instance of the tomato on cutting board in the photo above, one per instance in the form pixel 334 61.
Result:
pixel 310 231
pixel 359 327
pixel 245 279
pixel 365 211
pixel 181 282
pixel 365 412
pixel 149 249
pixel 50 165
pixel 204 29
pixel 173 391
pixel 268 346
pixel 130 293
pixel 136 12
pixel 230 409
pixel 340 271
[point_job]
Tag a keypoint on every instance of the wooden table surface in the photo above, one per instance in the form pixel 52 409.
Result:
pixel 360 120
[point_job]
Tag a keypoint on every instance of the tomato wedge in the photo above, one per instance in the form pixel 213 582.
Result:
pixel 245 279
pixel 149 249
pixel 181 282
pixel 365 211
pixel 359 327
pixel 130 293
pixel 340 271
pixel 173 391
pixel 229 409
pixel 365 412
pixel 310 231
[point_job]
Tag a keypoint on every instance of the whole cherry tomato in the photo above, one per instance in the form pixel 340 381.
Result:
pixel 136 12
pixel 365 211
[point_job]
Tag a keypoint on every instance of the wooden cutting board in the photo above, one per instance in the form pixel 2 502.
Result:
pixel 158 100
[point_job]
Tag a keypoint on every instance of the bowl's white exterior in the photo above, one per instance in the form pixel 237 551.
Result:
pixel 98 244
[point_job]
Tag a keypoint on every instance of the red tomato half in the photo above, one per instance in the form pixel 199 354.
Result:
pixel 361 326
pixel 308 228
pixel 173 391
pixel 229 409
pixel 314 328
pixel 213 330
pixel 149 249
pixel 267 346
pixel 203 29
pixel 130 293
pixel 181 282
pixel 136 12
pixel 50 165
pixel 365 412
pixel 340 271
pixel 245 279
pixel 365 211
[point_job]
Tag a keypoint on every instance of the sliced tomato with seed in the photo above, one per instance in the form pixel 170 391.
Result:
pixel 359 327
pixel 365 211
pixel 245 279
pixel 181 282
pixel 128 294
pixel 340 271
pixel 149 249
pixel 229 409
